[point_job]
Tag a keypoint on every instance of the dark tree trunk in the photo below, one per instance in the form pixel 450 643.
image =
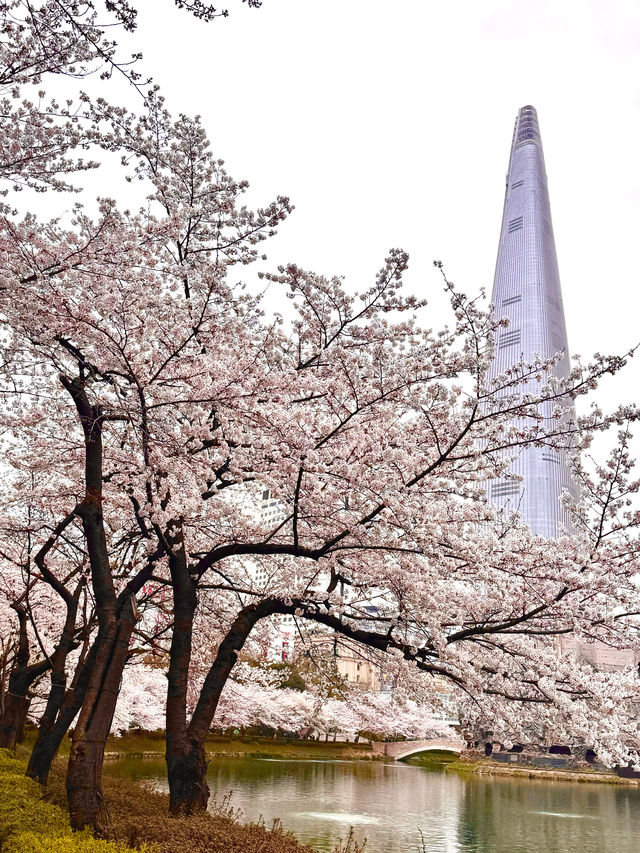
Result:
pixel 57 719
pixel 62 705
pixel 115 625
pixel 187 765
pixel 46 744
pixel 186 759
pixel 44 751
pixel 189 798
pixel 84 785
pixel 15 702
pixel 12 720
pixel 84 773
pixel 116 620
pixel 189 791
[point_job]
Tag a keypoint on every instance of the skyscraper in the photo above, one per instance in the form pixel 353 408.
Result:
pixel 526 289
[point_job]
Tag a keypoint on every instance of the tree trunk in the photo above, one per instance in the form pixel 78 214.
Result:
pixel 49 736
pixel 44 751
pixel 84 785
pixel 15 704
pixel 14 714
pixel 62 704
pixel 84 773
pixel 186 759
pixel 116 619
pixel 192 798
pixel 189 791
pixel 57 719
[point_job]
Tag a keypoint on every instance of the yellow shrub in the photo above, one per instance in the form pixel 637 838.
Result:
pixel 79 842
pixel 28 824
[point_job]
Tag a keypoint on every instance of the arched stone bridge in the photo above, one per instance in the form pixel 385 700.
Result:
pixel 405 748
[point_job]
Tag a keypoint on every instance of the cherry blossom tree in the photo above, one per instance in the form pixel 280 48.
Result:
pixel 43 136
pixel 376 435
pixel 142 373
pixel 382 714
pixel 255 696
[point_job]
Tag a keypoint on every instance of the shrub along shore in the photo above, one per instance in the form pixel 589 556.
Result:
pixel 30 824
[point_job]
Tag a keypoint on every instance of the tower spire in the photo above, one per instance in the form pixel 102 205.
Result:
pixel 526 289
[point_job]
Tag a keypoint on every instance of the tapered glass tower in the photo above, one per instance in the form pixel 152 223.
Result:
pixel 526 289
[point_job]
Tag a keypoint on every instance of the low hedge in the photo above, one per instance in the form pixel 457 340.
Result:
pixel 28 824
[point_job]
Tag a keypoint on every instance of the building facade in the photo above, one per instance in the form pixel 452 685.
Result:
pixel 526 290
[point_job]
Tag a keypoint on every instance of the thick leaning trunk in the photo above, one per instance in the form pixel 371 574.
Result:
pixel 116 619
pixel 189 795
pixel 114 629
pixel 84 772
pixel 12 720
pixel 187 770
pixel 84 785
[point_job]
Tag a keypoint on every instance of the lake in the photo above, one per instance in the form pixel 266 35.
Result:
pixel 389 804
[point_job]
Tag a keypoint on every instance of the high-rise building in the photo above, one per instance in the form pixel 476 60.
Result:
pixel 526 289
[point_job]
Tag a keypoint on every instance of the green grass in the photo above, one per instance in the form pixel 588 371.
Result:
pixel 136 744
pixel 263 747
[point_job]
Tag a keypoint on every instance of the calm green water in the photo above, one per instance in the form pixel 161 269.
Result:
pixel 388 803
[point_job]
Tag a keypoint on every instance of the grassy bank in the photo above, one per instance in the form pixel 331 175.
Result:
pixel 246 747
pixel 486 767
pixel 138 815
pixel 139 745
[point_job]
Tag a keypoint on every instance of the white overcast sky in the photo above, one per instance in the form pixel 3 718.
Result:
pixel 389 124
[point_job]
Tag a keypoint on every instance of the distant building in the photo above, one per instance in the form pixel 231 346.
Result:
pixel 354 663
pixel 526 289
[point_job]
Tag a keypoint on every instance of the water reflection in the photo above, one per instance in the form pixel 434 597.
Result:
pixel 389 803
pixel 320 800
pixel 518 816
